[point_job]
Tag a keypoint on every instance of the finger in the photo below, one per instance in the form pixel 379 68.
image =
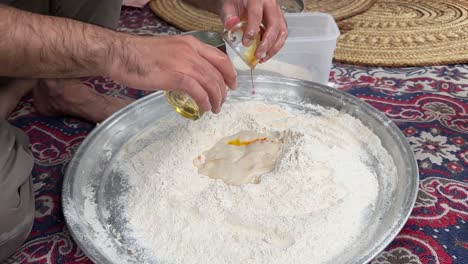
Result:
pixel 223 88
pixel 255 16
pixel 213 76
pixel 275 22
pixel 230 14
pixel 221 62
pixel 200 70
pixel 204 66
pixel 177 81
pixel 269 39
pixel 230 22
pixel 279 43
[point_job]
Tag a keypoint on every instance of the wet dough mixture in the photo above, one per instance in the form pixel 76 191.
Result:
pixel 257 183
pixel 241 158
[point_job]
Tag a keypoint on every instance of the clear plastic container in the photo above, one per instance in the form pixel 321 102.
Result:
pixel 307 53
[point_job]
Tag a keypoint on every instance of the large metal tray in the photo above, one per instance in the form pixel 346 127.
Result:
pixel 89 169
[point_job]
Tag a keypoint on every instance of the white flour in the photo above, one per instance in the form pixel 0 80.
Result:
pixel 309 209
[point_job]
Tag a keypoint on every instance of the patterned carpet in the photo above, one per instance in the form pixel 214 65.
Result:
pixel 429 104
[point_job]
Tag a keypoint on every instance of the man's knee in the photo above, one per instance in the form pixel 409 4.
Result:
pixel 17 206
pixel 105 13
pixel 36 6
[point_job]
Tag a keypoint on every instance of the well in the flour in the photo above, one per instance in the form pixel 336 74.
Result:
pixel 241 158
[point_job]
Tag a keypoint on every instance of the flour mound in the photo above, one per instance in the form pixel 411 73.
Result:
pixel 310 206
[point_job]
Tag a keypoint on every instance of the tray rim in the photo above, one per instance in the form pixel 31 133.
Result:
pixel 98 257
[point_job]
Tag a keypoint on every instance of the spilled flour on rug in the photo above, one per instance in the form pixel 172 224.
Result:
pixel 312 203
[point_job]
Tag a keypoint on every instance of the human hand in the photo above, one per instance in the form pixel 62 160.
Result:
pixel 267 12
pixel 180 63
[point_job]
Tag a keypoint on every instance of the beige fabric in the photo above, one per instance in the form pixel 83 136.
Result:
pixel 16 193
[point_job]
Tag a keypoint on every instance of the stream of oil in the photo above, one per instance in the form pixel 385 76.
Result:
pixel 252 82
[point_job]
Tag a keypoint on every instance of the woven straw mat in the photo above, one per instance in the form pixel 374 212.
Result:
pixel 406 33
pixel 187 17
pixel 339 9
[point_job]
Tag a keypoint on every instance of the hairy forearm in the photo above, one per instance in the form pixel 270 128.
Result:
pixel 210 5
pixel 37 46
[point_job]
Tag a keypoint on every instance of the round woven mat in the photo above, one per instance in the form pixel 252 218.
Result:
pixel 187 17
pixel 406 33
pixel 339 9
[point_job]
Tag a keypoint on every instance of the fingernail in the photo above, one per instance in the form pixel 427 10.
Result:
pixel 250 34
pixel 228 16
pixel 234 85
pixel 262 55
pixel 248 39
pixel 264 59
pixel 207 105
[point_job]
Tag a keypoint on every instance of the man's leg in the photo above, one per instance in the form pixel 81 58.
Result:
pixel 16 195
pixel 11 91
pixel 104 13
pixel 69 96
pixel 60 97
pixel 36 6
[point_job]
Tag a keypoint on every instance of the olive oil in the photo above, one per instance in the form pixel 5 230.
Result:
pixel 239 143
pixel 234 37
pixel 184 104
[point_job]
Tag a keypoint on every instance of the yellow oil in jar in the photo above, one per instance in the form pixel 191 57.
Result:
pixel 183 104
pixel 234 37
pixel 249 53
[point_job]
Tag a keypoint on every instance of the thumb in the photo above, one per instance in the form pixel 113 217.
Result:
pixel 230 14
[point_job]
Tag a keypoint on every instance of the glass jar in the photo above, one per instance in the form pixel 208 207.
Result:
pixel 182 102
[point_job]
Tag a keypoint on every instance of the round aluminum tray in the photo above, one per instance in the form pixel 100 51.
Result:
pixel 89 179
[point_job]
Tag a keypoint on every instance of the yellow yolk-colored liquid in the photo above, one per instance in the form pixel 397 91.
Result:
pixel 238 142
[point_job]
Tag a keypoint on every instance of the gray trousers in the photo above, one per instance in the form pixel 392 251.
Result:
pixel 16 162
pixel 104 13
pixel 16 193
